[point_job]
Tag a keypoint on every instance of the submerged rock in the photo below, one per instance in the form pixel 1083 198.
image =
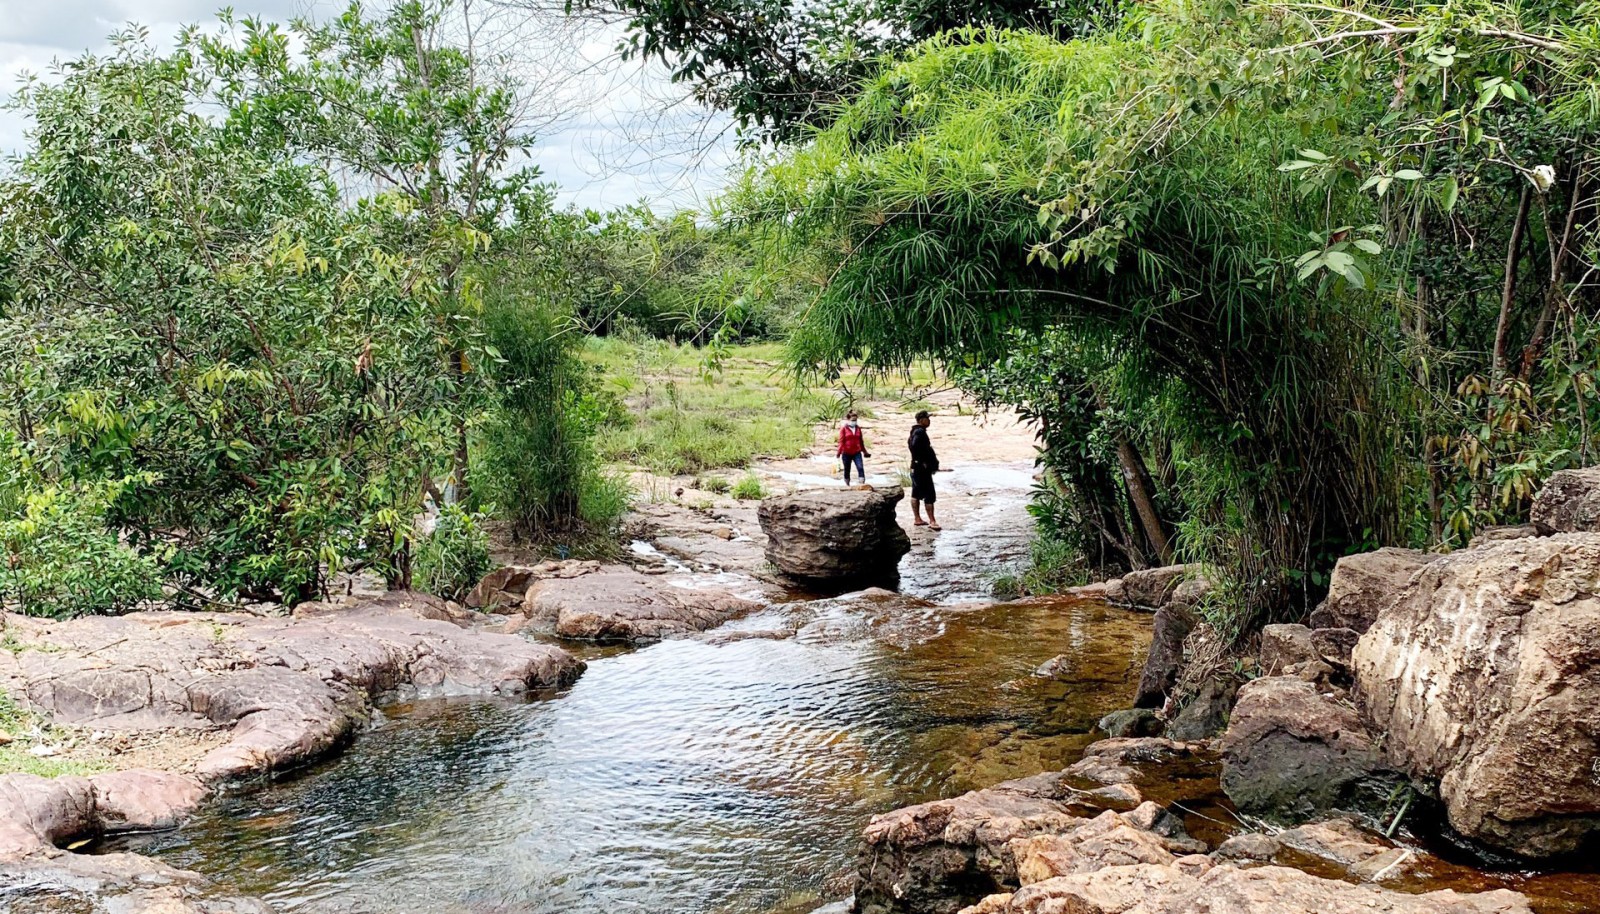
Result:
pixel 834 536
pixel 1291 752
pixel 1485 676
pixel 620 604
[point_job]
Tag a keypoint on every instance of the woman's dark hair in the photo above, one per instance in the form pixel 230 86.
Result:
pixel 922 414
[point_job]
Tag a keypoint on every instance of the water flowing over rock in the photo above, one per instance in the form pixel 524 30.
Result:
pixel 1569 502
pixel 1485 675
pixel 286 689
pixel 620 604
pixel 1291 751
pixel 835 536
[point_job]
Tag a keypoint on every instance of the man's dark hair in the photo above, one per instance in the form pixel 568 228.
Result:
pixel 922 414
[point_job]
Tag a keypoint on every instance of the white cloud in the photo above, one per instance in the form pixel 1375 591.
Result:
pixel 610 132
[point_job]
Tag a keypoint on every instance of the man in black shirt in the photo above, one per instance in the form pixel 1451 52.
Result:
pixel 924 463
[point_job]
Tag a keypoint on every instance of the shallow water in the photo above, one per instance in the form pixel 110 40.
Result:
pixel 686 776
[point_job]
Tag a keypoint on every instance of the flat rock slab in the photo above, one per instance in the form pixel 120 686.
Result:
pixel 1188 887
pixel 285 689
pixel 620 604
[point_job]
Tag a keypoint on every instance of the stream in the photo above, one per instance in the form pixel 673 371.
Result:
pixel 725 774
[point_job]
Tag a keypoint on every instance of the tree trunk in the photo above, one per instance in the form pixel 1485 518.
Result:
pixel 1508 292
pixel 1135 477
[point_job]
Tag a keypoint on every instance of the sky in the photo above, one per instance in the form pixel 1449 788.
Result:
pixel 610 132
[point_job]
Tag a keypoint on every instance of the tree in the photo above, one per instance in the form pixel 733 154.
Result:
pixel 784 67
pixel 404 108
pixel 243 366
pixel 1261 226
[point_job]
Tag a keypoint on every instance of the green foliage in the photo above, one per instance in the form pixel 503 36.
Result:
pixel 536 457
pixel 684 422
pixel 1235 254
pixel 749 488
pixel 630 271
pixel 57 555
pixel 454 557
pixel 717 484
pixel 782 67
pixel 198 316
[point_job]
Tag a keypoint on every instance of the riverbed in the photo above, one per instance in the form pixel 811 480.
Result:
pixel 725 774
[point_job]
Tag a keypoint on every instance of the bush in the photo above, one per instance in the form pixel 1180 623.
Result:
pixel 717 484
pixel 536 461
pixel 58 557
pixel 452 559
pixel 749 488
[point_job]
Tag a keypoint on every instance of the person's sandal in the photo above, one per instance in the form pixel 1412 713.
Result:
pixel 935 527
pixel 919 523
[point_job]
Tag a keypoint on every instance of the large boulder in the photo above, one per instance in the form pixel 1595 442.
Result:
pixel 1485 675
pixel 835 536
pixel 1164 661
pixel 1291 752
pixel 1569 502
pixel 620 604
pixel 1365 584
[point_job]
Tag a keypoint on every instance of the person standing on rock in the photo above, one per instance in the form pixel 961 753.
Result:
pixel 852 447
pixel 924 463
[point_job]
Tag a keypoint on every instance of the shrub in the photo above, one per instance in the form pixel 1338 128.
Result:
pixel 717 484
pixel 452 559
pixel 749 488
pixel 59 558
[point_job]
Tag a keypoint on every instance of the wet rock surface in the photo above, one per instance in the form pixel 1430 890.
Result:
pixel 621 604
pixel 1171 628
pixel 1485 674
pixel 1026 846
pixel 1221 889
pixel 112 884
pixel 835 536
pixel 285 690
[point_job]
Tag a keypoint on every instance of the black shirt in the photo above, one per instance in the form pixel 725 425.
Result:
pixel 923 459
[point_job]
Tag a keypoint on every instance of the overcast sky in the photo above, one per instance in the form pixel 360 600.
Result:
pixel 611 133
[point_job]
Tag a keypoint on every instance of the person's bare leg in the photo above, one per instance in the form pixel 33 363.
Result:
pixel 916 513
pixel 932 521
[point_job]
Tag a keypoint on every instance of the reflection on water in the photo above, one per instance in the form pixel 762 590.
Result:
pixel 724 775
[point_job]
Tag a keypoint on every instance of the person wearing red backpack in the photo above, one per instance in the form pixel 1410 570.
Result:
pixel 852 447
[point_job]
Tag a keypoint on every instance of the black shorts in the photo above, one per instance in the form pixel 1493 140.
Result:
pixel 922 487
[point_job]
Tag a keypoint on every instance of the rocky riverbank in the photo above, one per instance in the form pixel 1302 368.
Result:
pixel 230 697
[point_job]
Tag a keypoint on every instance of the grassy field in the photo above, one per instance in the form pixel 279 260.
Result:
pixel 684 419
